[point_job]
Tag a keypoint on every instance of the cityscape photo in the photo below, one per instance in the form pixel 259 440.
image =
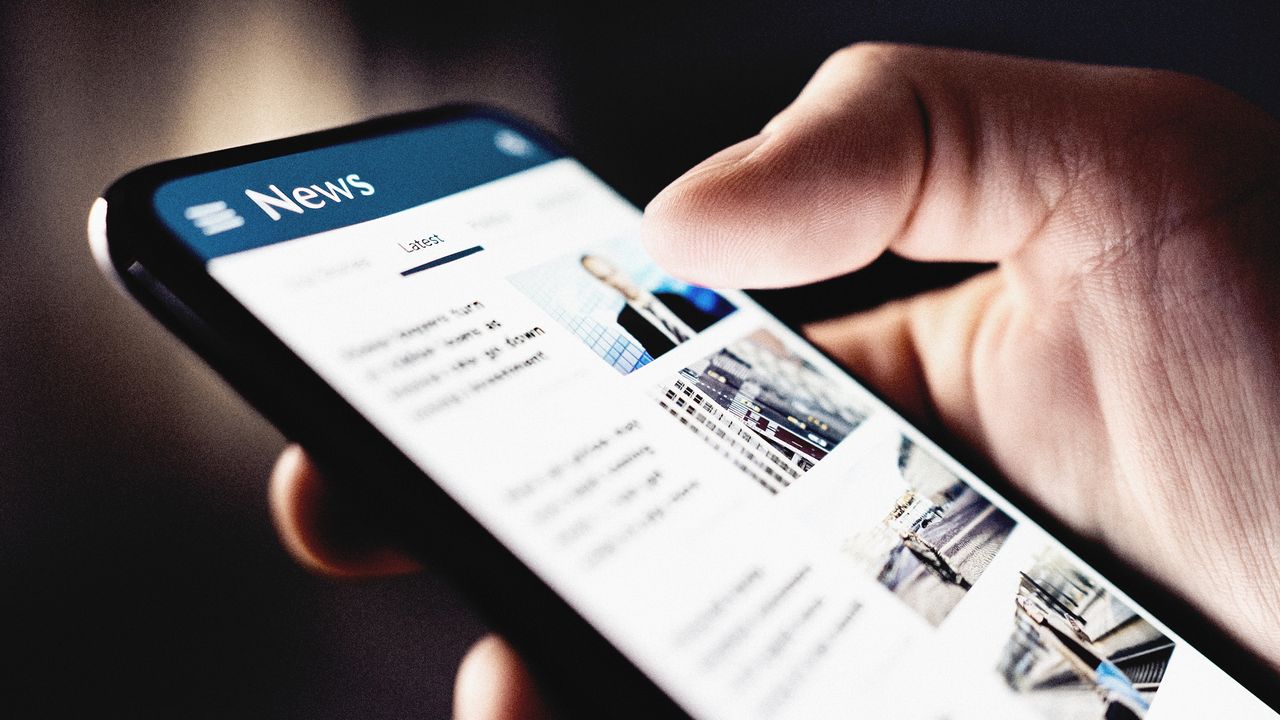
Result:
pixel 1077 652
pixel 769 411
pixel 936 537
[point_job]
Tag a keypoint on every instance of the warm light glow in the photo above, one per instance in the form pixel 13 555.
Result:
pixel 277 70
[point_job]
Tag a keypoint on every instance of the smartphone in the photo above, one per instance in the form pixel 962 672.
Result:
pixel 669 501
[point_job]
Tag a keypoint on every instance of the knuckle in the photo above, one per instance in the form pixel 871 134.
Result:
pixel 1180 103
pixel 1185 88
pixel 866 56
pixel 1202 131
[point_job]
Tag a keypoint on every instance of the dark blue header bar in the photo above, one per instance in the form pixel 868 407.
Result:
pixel 270 201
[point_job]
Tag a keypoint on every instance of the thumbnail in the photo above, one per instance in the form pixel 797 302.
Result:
pixel 617 302
pixel 766 409
pixel 1078 652
pixel 935 537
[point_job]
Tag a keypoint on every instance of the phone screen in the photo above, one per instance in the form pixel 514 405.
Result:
pixel 755 530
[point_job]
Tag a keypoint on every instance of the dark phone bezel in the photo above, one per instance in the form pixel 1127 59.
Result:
pixel 584 674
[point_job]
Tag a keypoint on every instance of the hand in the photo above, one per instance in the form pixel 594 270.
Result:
pixel 491 682
pixel 1121 364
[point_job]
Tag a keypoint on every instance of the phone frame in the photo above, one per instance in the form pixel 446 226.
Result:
pixel 583 674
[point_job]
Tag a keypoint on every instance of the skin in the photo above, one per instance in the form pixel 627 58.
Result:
pixel 1121 363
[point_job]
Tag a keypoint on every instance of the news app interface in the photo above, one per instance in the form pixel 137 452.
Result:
pixel 760 534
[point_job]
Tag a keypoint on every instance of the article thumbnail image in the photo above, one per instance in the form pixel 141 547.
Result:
pixel 617 301
pixel 765 408
pixel 1078 652
pixel 934 540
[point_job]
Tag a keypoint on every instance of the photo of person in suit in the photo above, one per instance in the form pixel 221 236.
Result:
pixel 658 320
pixel 620 304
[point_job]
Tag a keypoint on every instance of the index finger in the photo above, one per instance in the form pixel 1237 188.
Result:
pixel 322 533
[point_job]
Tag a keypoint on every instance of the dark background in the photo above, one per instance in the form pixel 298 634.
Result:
pixel 139 573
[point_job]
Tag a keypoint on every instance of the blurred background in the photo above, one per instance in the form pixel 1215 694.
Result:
pixel 139 573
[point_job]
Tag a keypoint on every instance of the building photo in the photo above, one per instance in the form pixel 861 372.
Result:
pixel 763 407
pixel 1076 651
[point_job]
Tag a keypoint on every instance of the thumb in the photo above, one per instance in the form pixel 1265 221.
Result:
pixel 951 155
